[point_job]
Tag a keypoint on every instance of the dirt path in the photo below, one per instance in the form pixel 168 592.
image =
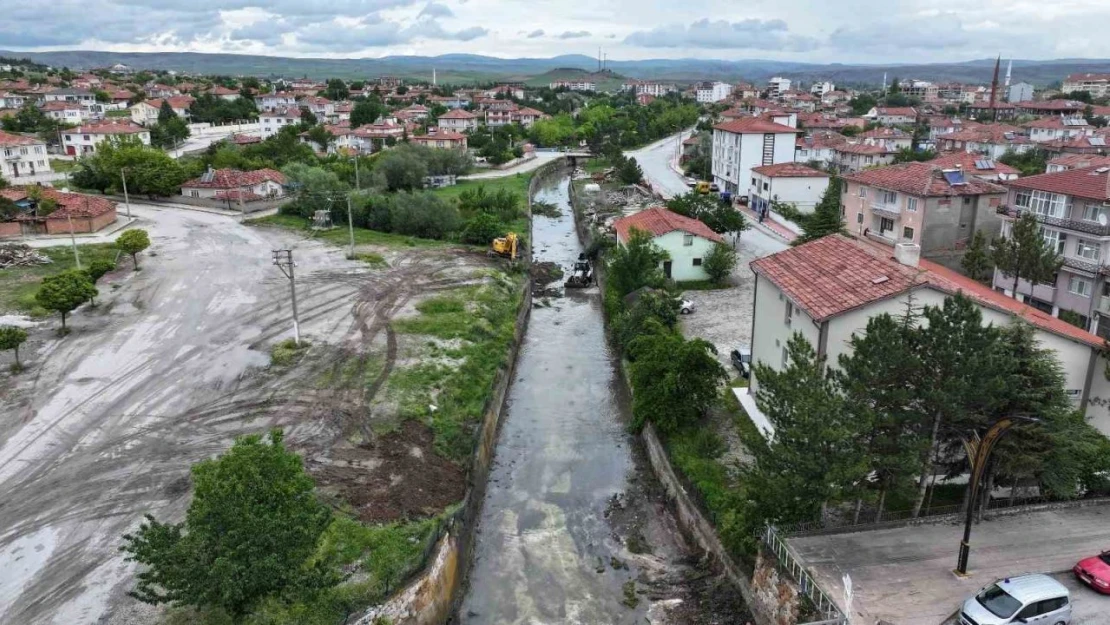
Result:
pixel 167 371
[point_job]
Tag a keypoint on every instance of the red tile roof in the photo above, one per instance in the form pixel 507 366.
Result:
pixel 1078 161
pixel 1053 105
pixel 753 125
pixel 234 179
pixel 897 111
pixel 458 114
pixel 836 274
pixel 176 102
pixel 108 128
pixel 969 162
pixel 1055 122
pixel 921 179
pixel 76 205
pixel 7 139
pixel 789 170
pixel 863 148
pixel 439 135
pixel 659 221
pixel 1092 183
pixel 1086 76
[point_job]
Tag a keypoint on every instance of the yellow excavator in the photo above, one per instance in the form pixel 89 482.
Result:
pixel 505 246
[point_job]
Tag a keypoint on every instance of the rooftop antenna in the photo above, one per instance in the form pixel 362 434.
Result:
pixel 994 89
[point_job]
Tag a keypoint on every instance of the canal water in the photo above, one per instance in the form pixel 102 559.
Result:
pixel 569 492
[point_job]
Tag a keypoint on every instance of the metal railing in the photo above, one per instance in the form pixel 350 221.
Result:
pixel 1087 227
pixel 791 564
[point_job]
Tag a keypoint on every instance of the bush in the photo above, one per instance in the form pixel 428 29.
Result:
pixel 423 215
pixel 719 263
pixel 286 352
pixel 481 229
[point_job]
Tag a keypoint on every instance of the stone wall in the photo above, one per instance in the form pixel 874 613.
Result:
pixel 775 592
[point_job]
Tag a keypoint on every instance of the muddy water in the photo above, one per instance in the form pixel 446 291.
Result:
pixel 545 549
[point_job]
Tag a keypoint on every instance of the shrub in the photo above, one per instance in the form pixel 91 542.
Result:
pixel 481 229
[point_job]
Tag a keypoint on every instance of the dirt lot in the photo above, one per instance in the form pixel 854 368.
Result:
pixel 724 317
pixel 173 365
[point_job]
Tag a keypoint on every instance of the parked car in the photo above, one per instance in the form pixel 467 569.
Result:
pixel 685 307
pixel 1095 572
pixel 1035 599
pixel 691 181
pixel 741 358
pixel 713 187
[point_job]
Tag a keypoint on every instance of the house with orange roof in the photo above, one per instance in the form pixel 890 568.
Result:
pixel 73 212
pixel 22 156
pixel 826 290
pixel 686 241
pixel 84 139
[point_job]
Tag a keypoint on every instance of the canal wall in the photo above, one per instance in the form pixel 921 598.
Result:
pixel 432 597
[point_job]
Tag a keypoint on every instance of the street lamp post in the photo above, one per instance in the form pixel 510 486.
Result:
pixel 284 261
pixel 126 198
pixel 978 454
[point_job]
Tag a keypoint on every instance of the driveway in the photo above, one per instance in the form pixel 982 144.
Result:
pixel 904 576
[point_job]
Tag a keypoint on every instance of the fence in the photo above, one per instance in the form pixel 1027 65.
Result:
pixel 790 563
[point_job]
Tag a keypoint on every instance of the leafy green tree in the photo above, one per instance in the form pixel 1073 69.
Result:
pixel 336 89
pixel 316 189
pixel 11 338
pixel 826 218
pixel 64 292
pixel 675 380
pixel 652 312
pixel 250 533
pixel 1029 163
pixel 308 118
pixel 719 263
pixel 424 215
pixel 132 242
pixel 400 170
pixel 629 171
pixel 1025 254
pixel 636 264
pixel 502 203
pixel 719 216
pixel 976 262
pixel 165 112
pixel 97 270
pixel 366 112
pixel 150 171
pixel 862 103
pixel 170 133
pixel 815 455
pixel 910 155
pixel 481 229
pixel 320 136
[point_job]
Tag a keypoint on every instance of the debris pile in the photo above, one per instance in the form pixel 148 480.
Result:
pixel 546 272
pixel 21 256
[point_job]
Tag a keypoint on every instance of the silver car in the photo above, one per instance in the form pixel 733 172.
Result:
pixel 1033 599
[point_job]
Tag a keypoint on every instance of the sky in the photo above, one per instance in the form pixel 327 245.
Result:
pixel 821 31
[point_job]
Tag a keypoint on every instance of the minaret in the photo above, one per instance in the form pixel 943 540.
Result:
pixel 1009 73
pixel 433 76
pixel 884 82
pixel 994 89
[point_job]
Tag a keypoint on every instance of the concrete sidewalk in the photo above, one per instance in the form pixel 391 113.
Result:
pixel 541 158
pixel 904 576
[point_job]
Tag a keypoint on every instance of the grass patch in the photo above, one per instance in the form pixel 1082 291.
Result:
pixel 287 352
pixel 341 236
pixel 18 285
pixel 517 183
pixel 62 166
pixel 482 319
pixel 372 259
pixel 596 165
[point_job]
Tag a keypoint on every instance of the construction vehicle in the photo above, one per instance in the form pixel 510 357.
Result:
pixel 581 274
pixel 703 187
pixel 506 246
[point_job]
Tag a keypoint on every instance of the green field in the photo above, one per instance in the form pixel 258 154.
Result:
pixel 18 285
pixel 517 183
pixel 341 235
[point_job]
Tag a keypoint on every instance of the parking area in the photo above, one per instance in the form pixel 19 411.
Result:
pixel 904 576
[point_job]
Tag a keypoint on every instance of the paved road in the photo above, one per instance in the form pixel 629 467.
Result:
pixel 655 160
pixel 541 158
pixel 904 575
pixel 106 423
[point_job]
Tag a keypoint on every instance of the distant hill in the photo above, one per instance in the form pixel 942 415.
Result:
pixel 468 68
pixel 606 80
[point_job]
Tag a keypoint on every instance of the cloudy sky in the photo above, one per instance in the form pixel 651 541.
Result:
pixel 801 30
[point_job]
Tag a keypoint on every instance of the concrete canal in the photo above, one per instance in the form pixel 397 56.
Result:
pixel 574 527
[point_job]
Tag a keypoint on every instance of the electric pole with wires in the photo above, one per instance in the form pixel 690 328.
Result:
pixel 284 261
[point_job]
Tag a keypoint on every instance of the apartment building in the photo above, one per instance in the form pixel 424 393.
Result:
pixel 921 204
pixel 574 85
pixel 1057 128
pixel 1098 85
pixel 274 120
pixel 778 86
pixel 1073 207
pixel 742 144
pixel 708 92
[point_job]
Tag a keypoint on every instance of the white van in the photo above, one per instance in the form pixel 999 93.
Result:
pixel 1033 599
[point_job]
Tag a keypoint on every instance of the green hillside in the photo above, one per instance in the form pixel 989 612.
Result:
pixel 607 80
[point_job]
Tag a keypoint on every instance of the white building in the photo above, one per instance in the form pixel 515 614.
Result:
pixel 892 115
pixel 458 120
pixel 778 86
pixel 826 290
pixel 742 144
pixel 1098 85
pixel 789 183
pixel 275 101
pixel 713 91
pixel 273 121
pixel 686 241
pixel 84 139
pixel 1020 92
pixel 821 88
pixel 22 156
pixel 574 85
pixel 76 96
pixel 649 88
pixel 234 185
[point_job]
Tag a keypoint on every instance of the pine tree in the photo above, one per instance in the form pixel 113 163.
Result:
pixel 977 261
pixel 1025 254
pixel 826 218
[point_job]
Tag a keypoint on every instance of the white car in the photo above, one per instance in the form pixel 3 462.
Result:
pixel 685 307
pixel 690 182
pixel 1025 599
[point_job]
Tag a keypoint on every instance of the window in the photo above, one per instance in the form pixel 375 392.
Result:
pixel 1046 204
pixel 888 197
pixel 754 183
pixel 785 358
pixel 194 193
pixel 766 186
pixel 1054 239
pixel 863 192
pixel 907 233
pixel 967 200
pixel 687 240
pixel 886 224
pixel 789 313
pixel 1051 605
pixel 1079 286
pixel 69 137
pixel 1091 212
pixel 859 218
pixel 911 204
pixel 697 262
pixel 23 151
pixel 1088 250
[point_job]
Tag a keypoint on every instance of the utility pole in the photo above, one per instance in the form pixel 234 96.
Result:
pixel 73 238
pixel 126 199
pixel 351 228
pixel 358 187
pixel 284 261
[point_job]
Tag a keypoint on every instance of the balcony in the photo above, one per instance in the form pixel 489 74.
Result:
pixel 890 210
pixel 1086 227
